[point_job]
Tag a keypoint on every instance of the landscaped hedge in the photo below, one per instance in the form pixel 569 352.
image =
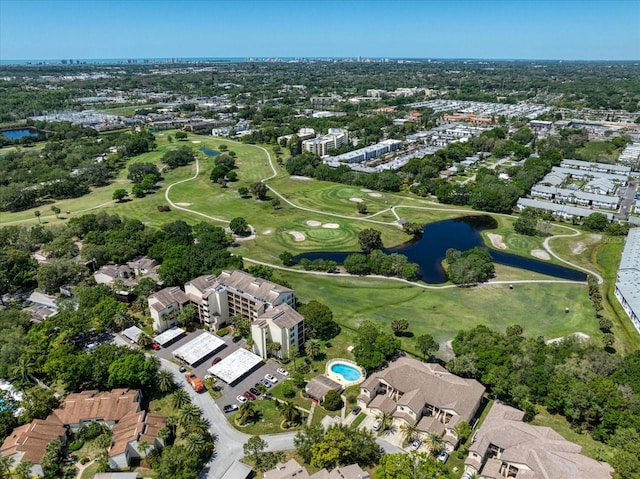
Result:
pixel 222 332
pixel 76 445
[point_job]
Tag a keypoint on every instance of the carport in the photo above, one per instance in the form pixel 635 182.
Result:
pixel 169 336
pixel 235 366
pixel 199 349
pixel 133 333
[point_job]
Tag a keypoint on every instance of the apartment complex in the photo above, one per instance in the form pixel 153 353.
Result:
pixel 217 299
pixel 335 138
pixel 120 409
pixel 424 395
pixel 628 280
pixel 506 447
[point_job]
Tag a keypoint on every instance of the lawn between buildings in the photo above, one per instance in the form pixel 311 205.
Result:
pixel 442 313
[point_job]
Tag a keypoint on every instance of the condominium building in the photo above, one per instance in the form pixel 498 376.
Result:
pixel 507 447
pixel 164 304
pixel 282 325
pixel 334 139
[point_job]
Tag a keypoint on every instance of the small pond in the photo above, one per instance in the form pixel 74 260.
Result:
pixel 18 134
pixel 428 250
pixel 209 151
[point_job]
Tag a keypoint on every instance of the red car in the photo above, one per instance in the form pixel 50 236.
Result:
pixel 155 346
pixel 216 360
pixel 249 395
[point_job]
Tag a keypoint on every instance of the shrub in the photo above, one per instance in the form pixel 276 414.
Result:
pixel 163 208
pixel 287 390
pixel 223 332
pixel 76 445
pixel 332 401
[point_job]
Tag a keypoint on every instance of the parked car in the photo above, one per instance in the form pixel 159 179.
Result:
pixel 249 395
pixel 415 444
pixel 236 339
pixel 230 408
pixel 254 391
pixel 377 425
pixel 443 456
pixel 241 399
pixel 182 369
pixel 268 396
pixel 216 360
pixel 283 371
pixel 356 410
pixel 266 383
pixel 270 378
pixel 155 346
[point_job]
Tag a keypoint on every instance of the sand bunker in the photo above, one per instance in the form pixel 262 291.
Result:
pixel 356 200
pixel 267 232
pixel 496 241
pixel 313 223
pixel 332 226
pixel 366 190
pixel 183 204
pixel 301 178
pixel 196 141
pixel 297 236
pixel 375 195
pixel 540 254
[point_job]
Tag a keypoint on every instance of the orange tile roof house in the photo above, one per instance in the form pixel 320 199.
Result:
pixel 119 409
pixel 504 446
pixel 422 394
pixel 292 470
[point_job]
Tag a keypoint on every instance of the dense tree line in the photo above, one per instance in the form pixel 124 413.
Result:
pixel 469 267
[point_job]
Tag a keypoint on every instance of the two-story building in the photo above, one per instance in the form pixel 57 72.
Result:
pixel 424 395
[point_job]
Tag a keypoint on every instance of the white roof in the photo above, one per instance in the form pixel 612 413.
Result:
pixel 199 348
pixel 133 333
pixel 169 335
pixel 235 365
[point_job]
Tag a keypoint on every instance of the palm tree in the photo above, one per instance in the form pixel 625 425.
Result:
pixel 23 368
pixel 164 379
pixel 144 341
pixel 313 348
pixel 289 412
pixel 180 398
pixel 409 432
pixel 195 443
pixel 172 424
pixel 6 463
pixel 434 443
pixel 56 210
pixel 188 414
pixel 164 433
pixel 143 447
pixel 246 412
pixel 293 353
pixel 37 214
pixel 273 347
pixel 386 421
pixel 199 426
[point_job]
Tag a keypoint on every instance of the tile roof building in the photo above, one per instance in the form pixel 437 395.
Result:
pixel 119 409
pixel 130 273
pixel 163 305
pixel 292 470
pixel 506 447
pixel 422 394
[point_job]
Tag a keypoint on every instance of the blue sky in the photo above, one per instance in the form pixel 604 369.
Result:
pixel 553 29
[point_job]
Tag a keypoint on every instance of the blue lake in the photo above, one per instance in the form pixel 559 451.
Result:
pixel 18 134
pixel 209 151
pixel 428 250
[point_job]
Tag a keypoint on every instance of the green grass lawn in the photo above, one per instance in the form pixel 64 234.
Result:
pixel 539 308
pixel 267 421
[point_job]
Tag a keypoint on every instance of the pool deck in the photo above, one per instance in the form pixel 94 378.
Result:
pixel 339 378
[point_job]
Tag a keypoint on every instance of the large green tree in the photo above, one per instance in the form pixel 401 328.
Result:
pixel 318 321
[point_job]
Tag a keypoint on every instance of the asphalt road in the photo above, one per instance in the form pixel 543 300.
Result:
pixel 628 201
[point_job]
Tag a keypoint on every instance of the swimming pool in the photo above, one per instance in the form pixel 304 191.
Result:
pixel 345 372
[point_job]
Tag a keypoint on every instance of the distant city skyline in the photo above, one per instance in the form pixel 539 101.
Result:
pixel 121 29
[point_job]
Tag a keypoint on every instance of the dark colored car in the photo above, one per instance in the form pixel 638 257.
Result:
pixel 230 408
pixel 182 369
pixel 249 395
pixel 254 391
pixel 216 360
pixel 356 410
pixel 236 339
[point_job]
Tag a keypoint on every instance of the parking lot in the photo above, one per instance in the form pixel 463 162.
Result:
pixel 229 393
